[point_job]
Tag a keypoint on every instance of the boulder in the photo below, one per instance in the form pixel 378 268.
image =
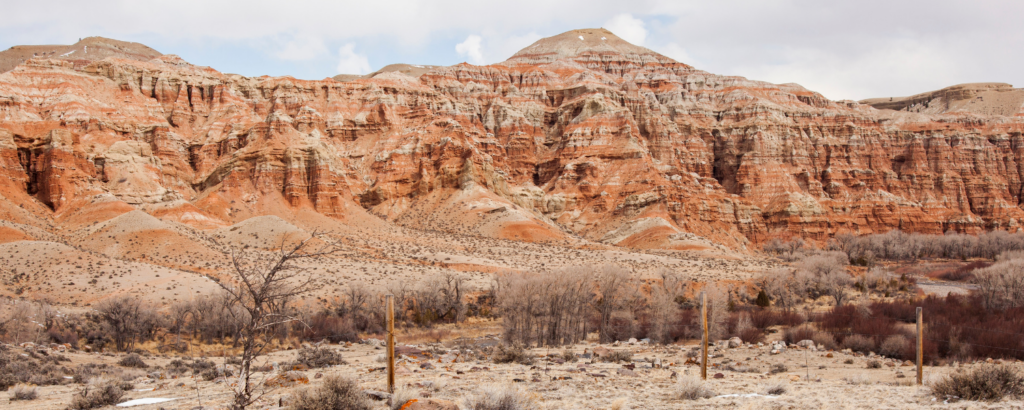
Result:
pixel 735 342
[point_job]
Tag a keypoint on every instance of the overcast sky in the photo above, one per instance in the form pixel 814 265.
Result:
pixel 845 50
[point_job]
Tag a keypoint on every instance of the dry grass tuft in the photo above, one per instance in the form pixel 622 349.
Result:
pixel 620 404
pixel 692 388
pixel 24 392
pixel 618 356
pixel 336 392
pixel 500 398
pixel 512 354
pixel 401 396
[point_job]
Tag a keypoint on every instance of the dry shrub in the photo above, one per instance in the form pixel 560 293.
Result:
pixel 893 346
pixel 179 366
pixel 24 392
pixel 751 335
pixel 794 335
pixel 778 368
pixel 987 383
pixel 859 343
pixel 618 356
pixel 325 326
pixel 874 364
pixel 825 340
pixel 102 391
pixel 500 398
pixel 775 388
pixel 966 272
pixel 512 354
pixel 316 357
pixel 133 360
pixel 765 318
pixel 335 392
pixel 401 396
pixel 692 388
pixel 34 369
pixel 569 356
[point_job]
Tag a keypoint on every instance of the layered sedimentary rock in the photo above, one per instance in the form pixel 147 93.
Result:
pixel 581 135
pixel 979 98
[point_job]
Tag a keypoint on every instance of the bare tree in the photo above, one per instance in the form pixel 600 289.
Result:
pixel 264 282
pixel 836 284
pixel 783 288
pixel 1001 285
pixel 126 318
pixel 612 284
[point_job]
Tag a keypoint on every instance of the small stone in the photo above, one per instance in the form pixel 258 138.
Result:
pixel 719 376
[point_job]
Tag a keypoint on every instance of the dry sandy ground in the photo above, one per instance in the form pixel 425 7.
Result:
pixel 575 386
pixel 164 261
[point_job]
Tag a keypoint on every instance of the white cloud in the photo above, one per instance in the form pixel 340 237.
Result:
pixel 302 48
pixel 678 53
pixel 351 62
pixel 628 28
pixel 511 45
pixel 471 49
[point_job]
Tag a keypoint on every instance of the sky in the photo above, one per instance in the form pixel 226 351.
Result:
pixel 844 50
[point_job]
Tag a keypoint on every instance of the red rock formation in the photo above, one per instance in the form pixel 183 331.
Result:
pixel 590 137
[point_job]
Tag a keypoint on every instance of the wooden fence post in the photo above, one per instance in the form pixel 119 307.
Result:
pixel 920 346
pixel 391 342
pixel 704 337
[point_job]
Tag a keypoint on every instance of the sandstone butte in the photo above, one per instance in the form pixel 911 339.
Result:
pixel 580 136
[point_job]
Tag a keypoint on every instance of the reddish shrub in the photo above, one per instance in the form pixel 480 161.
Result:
pixel 765 318
pixel 752 335
pixel 964 273
pixel 796 334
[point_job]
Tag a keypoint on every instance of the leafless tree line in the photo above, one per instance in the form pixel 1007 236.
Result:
pixel 896 245
pixel 564 306
pixel 1001 286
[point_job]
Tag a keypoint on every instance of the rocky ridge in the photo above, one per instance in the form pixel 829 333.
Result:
pixel 979 98
pixel 579 137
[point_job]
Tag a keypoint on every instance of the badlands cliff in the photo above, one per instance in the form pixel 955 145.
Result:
pixel 579 137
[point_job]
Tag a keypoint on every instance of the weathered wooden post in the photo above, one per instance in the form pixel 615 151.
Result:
pixel 920 346
pixel 704 338
pixel 390 338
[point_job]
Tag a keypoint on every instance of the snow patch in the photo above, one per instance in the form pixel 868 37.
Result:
pixel 68 53
pixel 581 37
pixel 140 402
pixel 603 38
pixel 746 395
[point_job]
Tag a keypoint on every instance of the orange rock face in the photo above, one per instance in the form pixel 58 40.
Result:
pixel 580 135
